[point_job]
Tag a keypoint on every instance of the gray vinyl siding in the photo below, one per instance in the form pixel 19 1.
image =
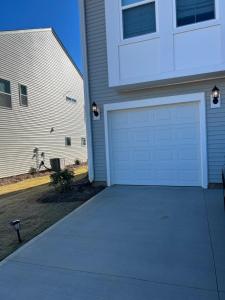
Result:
pixel 37 60
pixel 102 94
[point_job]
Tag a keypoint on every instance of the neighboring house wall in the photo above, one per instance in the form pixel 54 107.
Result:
pixel 102 94
pixel 36 59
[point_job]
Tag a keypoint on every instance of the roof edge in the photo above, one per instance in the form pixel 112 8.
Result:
pixel 66 51
pixel 25 30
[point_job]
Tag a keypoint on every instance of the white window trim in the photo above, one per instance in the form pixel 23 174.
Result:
pixel 20 94
pixel 195 26
pixel 4 93
pixel 138 38
pixel 198 97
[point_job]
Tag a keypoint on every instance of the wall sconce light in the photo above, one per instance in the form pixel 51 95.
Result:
pixel 52 130
pixel 95 111
pixel 215 97
pixel 16 226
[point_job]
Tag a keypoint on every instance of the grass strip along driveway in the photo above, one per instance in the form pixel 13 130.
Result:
pixel 23 201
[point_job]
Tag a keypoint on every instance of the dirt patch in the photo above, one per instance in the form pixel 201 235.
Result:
pixel 38 208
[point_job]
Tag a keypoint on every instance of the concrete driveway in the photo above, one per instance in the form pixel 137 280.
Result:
pixel 128 243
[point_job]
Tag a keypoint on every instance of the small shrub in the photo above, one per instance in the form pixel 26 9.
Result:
pixel 32 171
pixel 77 162
pixel 62 180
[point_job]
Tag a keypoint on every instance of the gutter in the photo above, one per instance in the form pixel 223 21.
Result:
pixel 86 92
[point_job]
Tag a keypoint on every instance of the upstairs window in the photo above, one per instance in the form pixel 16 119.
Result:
pixel 139 17
pixel 23 95
pixel 5 94
pixel 194 11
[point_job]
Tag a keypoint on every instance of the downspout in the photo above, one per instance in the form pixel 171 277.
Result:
pixel 86 92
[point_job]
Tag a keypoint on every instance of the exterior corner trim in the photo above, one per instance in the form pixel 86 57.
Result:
pixel 86 92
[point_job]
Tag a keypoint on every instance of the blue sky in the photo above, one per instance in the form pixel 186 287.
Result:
pixel 62 15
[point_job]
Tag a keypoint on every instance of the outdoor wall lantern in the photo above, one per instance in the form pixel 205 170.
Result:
pixel 16 226
pixel 95 111
pixel 215 97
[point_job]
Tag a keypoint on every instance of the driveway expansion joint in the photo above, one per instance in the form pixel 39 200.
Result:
pixel 112 276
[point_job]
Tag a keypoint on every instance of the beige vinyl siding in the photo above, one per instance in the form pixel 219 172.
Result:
pixel 102 94
pixel 37 60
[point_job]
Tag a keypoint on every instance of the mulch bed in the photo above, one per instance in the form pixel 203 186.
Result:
pixel 18 178
pixel 81 191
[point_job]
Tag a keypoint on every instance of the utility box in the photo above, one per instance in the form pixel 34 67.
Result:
pixel 57 164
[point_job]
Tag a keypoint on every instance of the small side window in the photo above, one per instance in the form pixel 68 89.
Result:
pixel 83 142
pixel 70 99
pixel 68 141
pixel 5 94
pixel 23 95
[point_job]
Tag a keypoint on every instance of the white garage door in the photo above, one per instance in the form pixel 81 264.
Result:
pixel 155 145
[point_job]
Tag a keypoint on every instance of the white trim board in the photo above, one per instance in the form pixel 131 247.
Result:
pixel 198 97
pixel 87 102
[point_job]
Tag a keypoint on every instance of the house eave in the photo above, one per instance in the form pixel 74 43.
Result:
pixel 170 81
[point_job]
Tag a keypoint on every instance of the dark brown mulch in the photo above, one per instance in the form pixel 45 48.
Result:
pixel 79 192
pixel 18 178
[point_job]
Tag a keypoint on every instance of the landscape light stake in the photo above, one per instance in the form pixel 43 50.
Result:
pixel 16 225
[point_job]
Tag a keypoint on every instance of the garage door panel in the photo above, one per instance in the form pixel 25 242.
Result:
pixel 186 131
pixel 141 156
pixel 164 136
pixel 192 178
pixel 188 165
pixel 121 166
pixel 143 166
pixel 121 156
pixel 187 112
pixel 162 115
pixel 139 136
pixel 156 145
pixel 163 155
pixel 187 154
pixel 119 136
pixel 166 176
pixel 139 119
pixel 144 175
pixel 118 122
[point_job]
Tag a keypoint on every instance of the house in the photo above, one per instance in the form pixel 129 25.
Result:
pixel 155 91
pixel 41 102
